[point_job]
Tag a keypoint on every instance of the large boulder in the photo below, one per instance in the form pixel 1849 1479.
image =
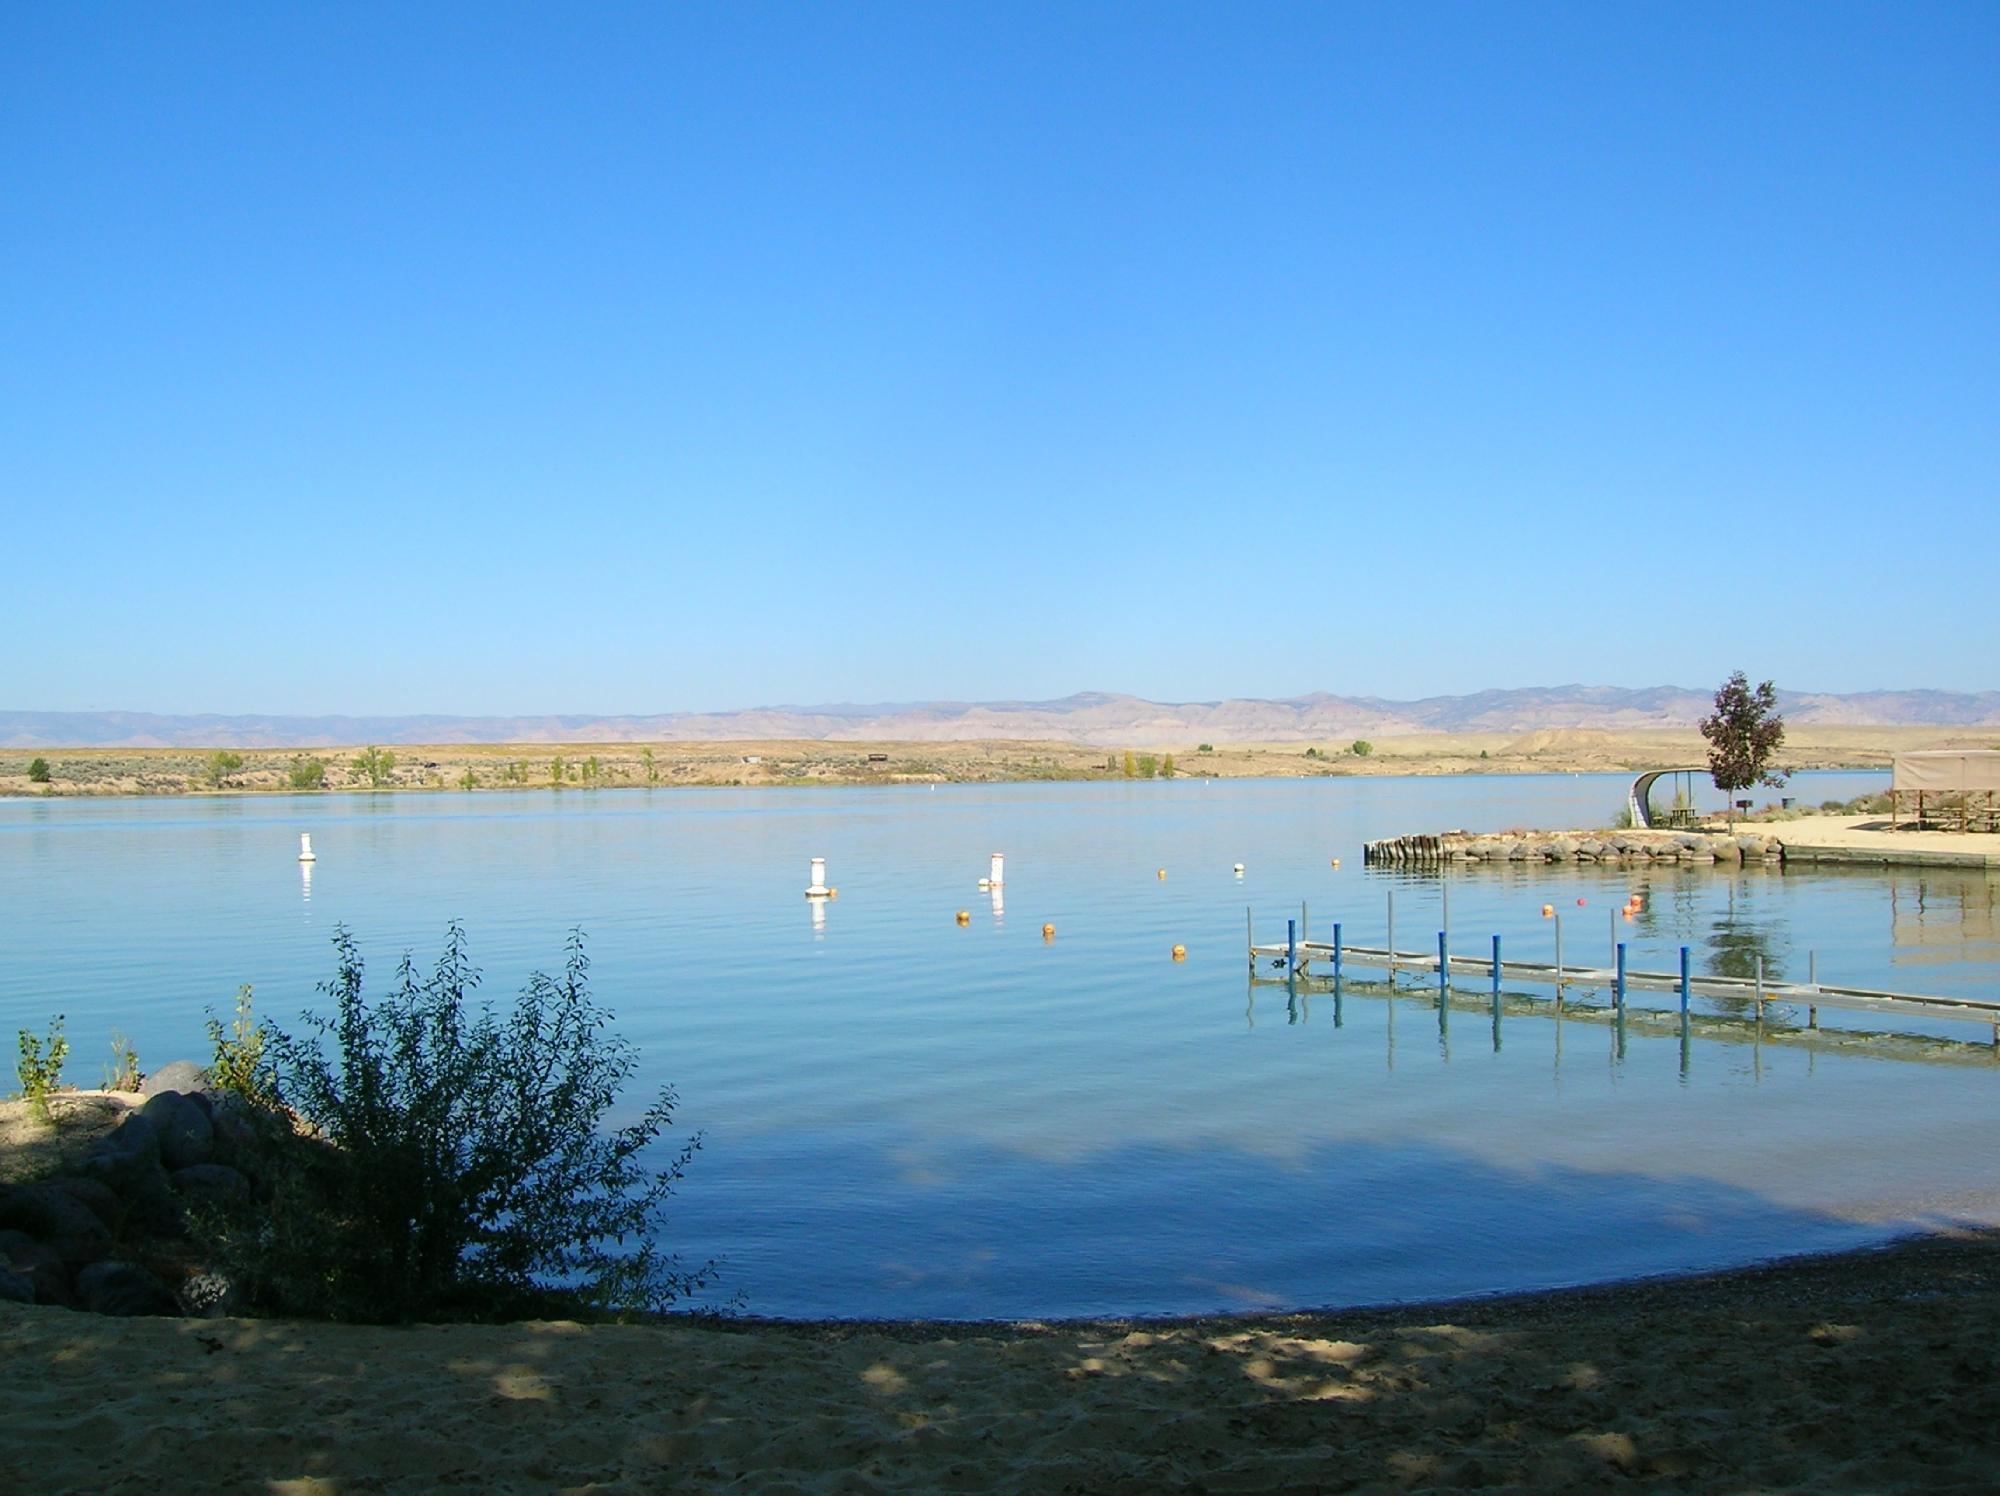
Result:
pixel 102 1200
pixel 41 1265
pixel 16 1287
pixel 123 1288
pixel 57 1219
pixel 177 1075
pixel 209 1184
pixel 187 1136
pixel 129 1149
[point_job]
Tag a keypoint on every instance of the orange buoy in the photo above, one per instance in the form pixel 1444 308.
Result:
pixel 1581 902
pixel 1048 932
pixel 1548 911
pixel 1180 953
pixel 964 918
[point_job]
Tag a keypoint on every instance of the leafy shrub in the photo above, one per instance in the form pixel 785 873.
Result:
pixel 1204 747
pixel 40 1068
pixel 240 1064
pixel 1312 753
pixel 218 766
pixel 468 780
pixel 1361 748
pixel 38 771
pixel 307 773
pixel 122 1074
pixel 375 765
pixel 460 1168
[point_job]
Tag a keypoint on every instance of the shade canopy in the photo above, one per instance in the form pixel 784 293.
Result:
pixel 1949 771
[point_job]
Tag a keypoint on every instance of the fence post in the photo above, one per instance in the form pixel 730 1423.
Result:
pixel 1619 986
pixel 1559 961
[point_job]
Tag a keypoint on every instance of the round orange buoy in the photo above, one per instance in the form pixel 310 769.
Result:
pixel 964 918
pixel 1048 932
pixel 1180 953
pixel 1581 902
pixel 1548 911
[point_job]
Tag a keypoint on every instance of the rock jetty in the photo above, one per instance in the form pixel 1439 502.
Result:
pixel 1704 847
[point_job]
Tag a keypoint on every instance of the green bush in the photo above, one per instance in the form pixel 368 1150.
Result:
pixel 1361 748
pixel 240 1064
pixel 1204 747
pixel 122 1074
pixel 375 765
pixel 460 1169
pixel 40 1068
pixel 307 773
pixel 218 766
pixel 38 771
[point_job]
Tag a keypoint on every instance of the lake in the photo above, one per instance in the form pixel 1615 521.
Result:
pixel 908 1117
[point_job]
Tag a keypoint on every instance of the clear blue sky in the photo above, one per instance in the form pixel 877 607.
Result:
pixel 589 358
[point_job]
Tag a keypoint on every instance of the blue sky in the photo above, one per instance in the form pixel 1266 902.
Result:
pixel 494 358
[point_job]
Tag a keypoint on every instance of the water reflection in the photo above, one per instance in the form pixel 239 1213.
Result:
pixel 1943 920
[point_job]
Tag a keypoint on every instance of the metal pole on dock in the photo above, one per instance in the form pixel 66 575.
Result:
pixel 1392 937
pixel 1559 961
pixel 1618 987
pixel 1684 981
pixel 1444 917
pixel 1812 981
pixel 1304 928
pixel 1760 989
pixel 1496 994
pixel 1250 935
pixel 1444 971
pixel 1336 957
pixel 1686 1048
pixel 1291 947
pixel 1614 935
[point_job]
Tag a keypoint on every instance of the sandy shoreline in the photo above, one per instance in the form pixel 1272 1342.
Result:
pixel 1868 1371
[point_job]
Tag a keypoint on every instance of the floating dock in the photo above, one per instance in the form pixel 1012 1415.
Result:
pixel 1296 957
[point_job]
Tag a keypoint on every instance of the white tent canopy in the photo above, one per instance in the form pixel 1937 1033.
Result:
pixel 1952 771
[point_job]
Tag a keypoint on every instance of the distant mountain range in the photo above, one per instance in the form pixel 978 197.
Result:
pixel 1089 718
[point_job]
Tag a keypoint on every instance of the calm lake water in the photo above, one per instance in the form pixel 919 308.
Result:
pixel 905 1117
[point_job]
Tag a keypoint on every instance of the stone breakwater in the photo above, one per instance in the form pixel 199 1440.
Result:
pixel 1632 847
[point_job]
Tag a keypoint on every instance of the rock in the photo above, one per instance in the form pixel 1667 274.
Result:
pixel 1562 849
pixel 1518 852
pixel 209 1184
pixel 123 1288
pixel 101 1199
pixel 40 1265
pixel 56 1218
pixel 17 1287
pixel 178 1075
pixel 132 1144
pixel 186 1134
pixel 209 1296
pixel 1591 846
pixel 152 1205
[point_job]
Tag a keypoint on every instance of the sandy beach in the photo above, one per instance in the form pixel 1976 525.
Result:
pixel 1869 1372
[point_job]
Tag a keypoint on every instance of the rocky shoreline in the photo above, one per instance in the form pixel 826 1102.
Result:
pixel 1633 847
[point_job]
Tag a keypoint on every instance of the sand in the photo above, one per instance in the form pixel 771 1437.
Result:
pixel 1871 1372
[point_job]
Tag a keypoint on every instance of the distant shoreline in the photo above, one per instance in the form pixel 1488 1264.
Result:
pixel 588 766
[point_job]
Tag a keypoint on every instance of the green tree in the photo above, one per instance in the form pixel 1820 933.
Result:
pixel 1743 732
pixel 652 769
pixel 1148 766
pixel 308 773
pixel 557 769
pixel 1361 748
pixel 375 765
pixel 1131 764
pixel 218 766
pixel 38 771
pixel 1312 753
pixel 590 769
pixel 468 780
pixel 1167 767
pixel 470 1169
pixel 1204 748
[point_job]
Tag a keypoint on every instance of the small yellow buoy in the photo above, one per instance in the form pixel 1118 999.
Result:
pixel 1163 872
pixel 964 918
pixel 1048 932
pixel 1548 911
pixel 1336 862
pixel 1180 953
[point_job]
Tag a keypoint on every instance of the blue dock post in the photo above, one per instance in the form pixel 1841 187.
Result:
pixel 1444 969
pixel 1291 945
pixel 1496 971
pixel 1684 981
pixel 1336 954
pixel 1619 987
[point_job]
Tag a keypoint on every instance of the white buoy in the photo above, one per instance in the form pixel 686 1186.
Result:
pixel 1239 869
pixel 818 888
pixel 999 874
pixel 306 847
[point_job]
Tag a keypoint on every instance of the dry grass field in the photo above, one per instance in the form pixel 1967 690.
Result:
pixel 589 766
